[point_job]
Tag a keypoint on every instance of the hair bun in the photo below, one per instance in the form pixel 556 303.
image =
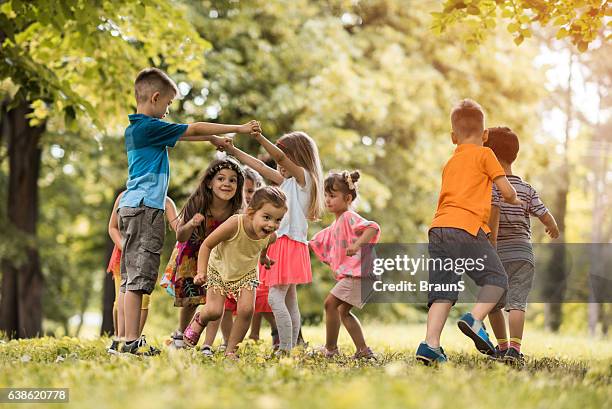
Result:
pixel 355 175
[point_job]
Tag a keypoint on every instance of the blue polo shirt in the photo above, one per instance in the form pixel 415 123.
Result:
pixel 147 140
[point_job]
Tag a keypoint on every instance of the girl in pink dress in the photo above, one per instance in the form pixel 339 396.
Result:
pixel 339 246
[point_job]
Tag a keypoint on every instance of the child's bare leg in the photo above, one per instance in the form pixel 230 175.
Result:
pixel 352 325
pixel 132 304
pixel 246 305
pixel 226 325
pixel 185 315
pixel 436 318
pixel 488 298
pixel 212 311
pixel 268 316
pixel 121 315
pixel 211 332
pixel 332 322
pixel 144 313
pixel 498 324
pixel 255 326
pixel 517 323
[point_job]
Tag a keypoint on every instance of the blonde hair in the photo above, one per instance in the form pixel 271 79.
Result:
pixel 302 150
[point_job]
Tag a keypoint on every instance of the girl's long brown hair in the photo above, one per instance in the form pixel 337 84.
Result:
pixel 302 150
pixel 201 199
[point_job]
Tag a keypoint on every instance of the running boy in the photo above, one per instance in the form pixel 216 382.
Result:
pixel 459 231
pixel 141 209
pixel 511 231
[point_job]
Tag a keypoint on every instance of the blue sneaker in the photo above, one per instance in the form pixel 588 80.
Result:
pixel 478 334
pixel 428 356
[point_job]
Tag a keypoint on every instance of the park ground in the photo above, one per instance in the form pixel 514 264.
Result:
pixel 562 371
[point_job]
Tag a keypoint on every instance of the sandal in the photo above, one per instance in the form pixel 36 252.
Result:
pixel 365 354
pixel 190 336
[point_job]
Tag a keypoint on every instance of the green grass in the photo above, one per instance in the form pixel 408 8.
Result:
pixel 561 371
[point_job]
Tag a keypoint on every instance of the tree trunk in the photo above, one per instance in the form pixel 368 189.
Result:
pixel 22 280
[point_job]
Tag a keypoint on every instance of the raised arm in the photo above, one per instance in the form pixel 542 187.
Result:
pixel 551 225
pixel 185 229
pixel 171 214
pixel 494 225
pixel 201 129
pixel 257 165
pixel 283 160
pixel 507 191
pixel 113 224
pixel 222 233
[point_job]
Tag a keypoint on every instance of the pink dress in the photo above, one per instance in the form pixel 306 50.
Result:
pixel 330 244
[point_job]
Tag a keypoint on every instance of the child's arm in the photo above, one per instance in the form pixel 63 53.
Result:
pixel 257 165
pixel 264 260
pixel 171 214
pixel 207 129
pixel 226 231
pixel 113 224
pixel 507 191
pixel 494 225
pixel 185 229
pixel 367 235
pixel 279 157
pixel 551 225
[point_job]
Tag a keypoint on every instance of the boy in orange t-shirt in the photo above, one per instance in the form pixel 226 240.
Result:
pixel 459 233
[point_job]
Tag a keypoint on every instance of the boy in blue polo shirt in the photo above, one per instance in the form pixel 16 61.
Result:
pixel 141 209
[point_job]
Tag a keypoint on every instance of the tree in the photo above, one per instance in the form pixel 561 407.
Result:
pixel 580 20
pixel 71 60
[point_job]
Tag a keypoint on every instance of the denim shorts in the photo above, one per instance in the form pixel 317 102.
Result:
pixel 142 230
pixel 452 246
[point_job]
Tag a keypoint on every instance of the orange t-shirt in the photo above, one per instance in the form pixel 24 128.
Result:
pixel 465 196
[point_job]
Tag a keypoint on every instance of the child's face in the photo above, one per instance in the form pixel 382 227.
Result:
pixel 336 201
pixel 249 190
pixel 160 104
pixel 224 184
pixel 267 219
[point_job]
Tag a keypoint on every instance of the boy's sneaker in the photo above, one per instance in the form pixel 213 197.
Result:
pixel 207 351
pixel 114 347
pixel 470 327
pixel 428 355
pixel 139 347
pixel 513 356
pixel 498 354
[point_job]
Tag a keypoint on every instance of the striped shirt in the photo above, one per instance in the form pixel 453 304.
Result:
pixel 514 233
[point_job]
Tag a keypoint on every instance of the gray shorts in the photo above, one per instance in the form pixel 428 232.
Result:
pixel 142 229
pixel 520 279
pixel 448 243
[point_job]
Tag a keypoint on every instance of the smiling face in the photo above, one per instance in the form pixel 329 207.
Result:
pixel 336 201
pixel 224 184
pixel 267 219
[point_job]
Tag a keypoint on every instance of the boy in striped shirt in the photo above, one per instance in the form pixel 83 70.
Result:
pixel 511 232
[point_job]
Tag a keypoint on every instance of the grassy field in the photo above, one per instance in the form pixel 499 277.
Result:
pixel 561 371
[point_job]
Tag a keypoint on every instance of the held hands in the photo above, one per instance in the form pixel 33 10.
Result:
pixel 267 262
pixel 199 279
pixel 221 142
pixel 196 220
pixel 250 127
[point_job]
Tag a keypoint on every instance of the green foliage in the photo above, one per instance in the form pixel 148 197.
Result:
pixel 583 21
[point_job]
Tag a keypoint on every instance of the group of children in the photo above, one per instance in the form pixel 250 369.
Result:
pixel 242 247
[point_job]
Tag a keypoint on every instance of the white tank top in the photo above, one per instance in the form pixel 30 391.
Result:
pixel 295 224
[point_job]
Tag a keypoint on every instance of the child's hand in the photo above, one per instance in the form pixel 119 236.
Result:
pixel 516 201
pixel 250 127
pixel 221 142
pixel 352 249
pixel 199 279
pixel 267 262
pixel 553 232
pixel 196 220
